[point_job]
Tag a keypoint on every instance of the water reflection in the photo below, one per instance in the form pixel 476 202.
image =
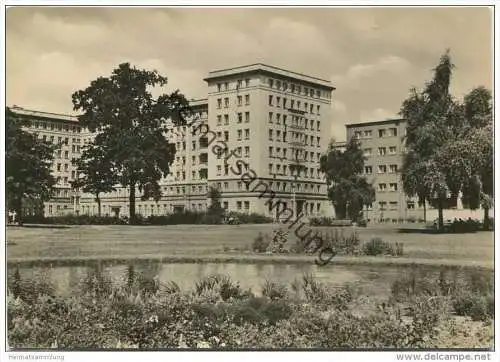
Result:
pixel 67 279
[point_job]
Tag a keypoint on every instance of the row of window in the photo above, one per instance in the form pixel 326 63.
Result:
pixel 304 155
pixel 278 186
pixel 55 126
pixel 239 101
pixel 382 169
pixel 381 151
pixel 390 132
pixel 239 118
pixel 294 88
pixel 295 137
pixel 296 121
pixel 393 205
pixel 283 171
pixel 195 175
pixel 296 105
pixel 227 86
pixel 60 140
pixel 393 186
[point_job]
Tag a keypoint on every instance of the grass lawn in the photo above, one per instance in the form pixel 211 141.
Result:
pixel 211 243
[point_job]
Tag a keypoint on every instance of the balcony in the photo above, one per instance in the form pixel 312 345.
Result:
pixel 296 127
pixel 296 111
pixel 297 144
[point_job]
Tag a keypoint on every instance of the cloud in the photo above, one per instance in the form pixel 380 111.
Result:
pixel 373 56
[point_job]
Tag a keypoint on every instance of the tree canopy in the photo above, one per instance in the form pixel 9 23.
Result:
pixel 347 189
pixel 130 127
pixel 449 143
pixel 27 165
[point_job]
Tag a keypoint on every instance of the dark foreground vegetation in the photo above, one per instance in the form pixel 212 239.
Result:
pixel 178 218
pixel 140 312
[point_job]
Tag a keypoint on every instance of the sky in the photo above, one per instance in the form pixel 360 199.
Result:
pixel 373 56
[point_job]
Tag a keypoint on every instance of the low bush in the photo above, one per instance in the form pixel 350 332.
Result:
pixel 218 314
pixel 261 243
pixel 377 246
pixel 252 218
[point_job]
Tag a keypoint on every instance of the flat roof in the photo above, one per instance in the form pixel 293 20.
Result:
pixel 198 102
pixel 39 114
pixel 374 123
pixel 261 67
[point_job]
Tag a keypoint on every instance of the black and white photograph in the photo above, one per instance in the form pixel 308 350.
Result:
pixel 245 177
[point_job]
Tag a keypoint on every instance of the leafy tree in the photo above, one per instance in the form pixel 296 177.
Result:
pixel 96 174
pixel 215 207
pixel 27 166
pixel 433 118
pixel 450 147
pixel 347 189
pixel 130 126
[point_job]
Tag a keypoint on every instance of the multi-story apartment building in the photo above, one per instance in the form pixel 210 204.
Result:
pixel 278 122
pixel 274 120
pixel 64 131
pixel 383 144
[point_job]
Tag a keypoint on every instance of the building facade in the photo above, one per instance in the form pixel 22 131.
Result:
pixel 276 121
pixel 383 145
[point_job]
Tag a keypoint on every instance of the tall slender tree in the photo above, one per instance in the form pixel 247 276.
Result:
pixel 431 116
pixel 131 125
pixel 27 166
pixel 348 190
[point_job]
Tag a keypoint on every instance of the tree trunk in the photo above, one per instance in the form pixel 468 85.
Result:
pixel 18 208
pixel 131 200
pixel 486 221
pixel 425 213
pixel 98 200
pixel 440 215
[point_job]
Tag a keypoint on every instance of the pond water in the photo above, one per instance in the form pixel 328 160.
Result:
pixel 373 280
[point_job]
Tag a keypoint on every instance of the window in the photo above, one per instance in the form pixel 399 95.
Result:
pixel 270 117
pixel 247 82
pixel 239 135
pixel 410 205
pixel 238 205
pixel 218 87
pixel 278 135
pixel 240 101
pixel 367 152
pixel 66 154
pixel 292 103
pixel 270 100
pixel 270 168
pixel 239 185
pixel 392 150
pixel 240 82
pixel 226 170
pixel 226 136
pixel 271 152
pixel 382 151
pixel 369 206
pixel 238 151
pixel 381 133
pixel 270 135
pixel 284 102
pixel 226 86
pixel 382 205
pixel 247 117
pixel 393 168
pixel 319 140
pixel 219 103
pixel 382 169
pixel 247 134
pixel 318 125
pixel 271 83
pixel 278 101
pixel 193 145
pixel 278 118
pixel 382 187
pixel 393 131
pixel 357 134
pixel 368 169
pixel 247 99
pixel 393 205
pixel 317 109
pixel 226 102
pixel 193 175
pixel 284 119
pixel 247 205
pixel 247 151
pixel 225 205
pixel 58 167
pixel 367 134
pixel 219 170
pixel 393 187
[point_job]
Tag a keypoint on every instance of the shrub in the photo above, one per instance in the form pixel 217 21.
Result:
pixel 252 218
pixel 376 246
pixel 274 290
pixel 261 243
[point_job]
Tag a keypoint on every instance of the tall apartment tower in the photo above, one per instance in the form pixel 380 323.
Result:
pixel 278 122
